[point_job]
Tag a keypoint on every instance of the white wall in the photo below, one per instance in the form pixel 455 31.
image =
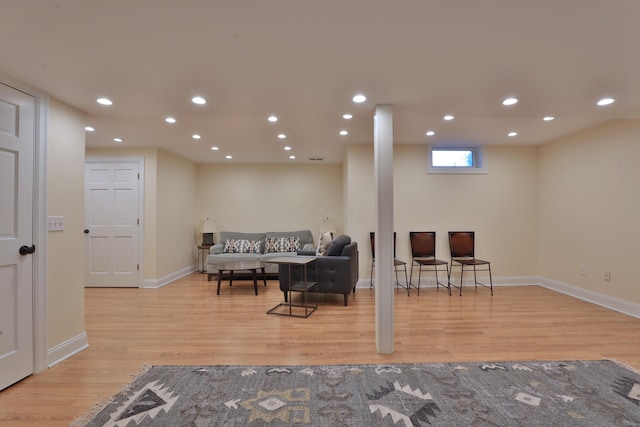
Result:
pixel 258 198
pixel 176 214
pixel 501 206
pixel 65 197
pixel 589 207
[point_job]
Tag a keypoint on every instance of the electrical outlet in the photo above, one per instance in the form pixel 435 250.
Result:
pixel 607 275
pixel 583 270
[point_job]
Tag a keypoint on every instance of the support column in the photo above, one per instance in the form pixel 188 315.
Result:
pixel 383 165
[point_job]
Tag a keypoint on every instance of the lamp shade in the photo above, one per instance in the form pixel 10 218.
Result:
pixel 208 226
pixel 328 225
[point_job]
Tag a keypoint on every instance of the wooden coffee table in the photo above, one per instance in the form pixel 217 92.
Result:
pixel 249 265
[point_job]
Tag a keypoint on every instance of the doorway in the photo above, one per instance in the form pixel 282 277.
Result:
pixel 113 222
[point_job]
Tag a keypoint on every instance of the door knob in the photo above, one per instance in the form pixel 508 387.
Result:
pixel 86 231
pixel 26 250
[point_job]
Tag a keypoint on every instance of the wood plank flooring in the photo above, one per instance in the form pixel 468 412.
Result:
pixel 186 323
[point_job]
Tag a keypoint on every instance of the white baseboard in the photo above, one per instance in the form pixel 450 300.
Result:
pixel 602 300
pixel 158 283
pixel 67 349
pixel 497 281
pixel 616 304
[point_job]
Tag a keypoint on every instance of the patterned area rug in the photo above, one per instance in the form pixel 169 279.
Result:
pixel 569 393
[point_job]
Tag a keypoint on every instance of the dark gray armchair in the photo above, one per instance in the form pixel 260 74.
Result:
pixel 335 273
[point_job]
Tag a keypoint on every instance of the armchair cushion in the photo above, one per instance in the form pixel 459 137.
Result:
pixel 337 244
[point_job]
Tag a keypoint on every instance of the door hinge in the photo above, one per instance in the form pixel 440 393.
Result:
pixel 138 267
pixel 138 220
pixel 138 176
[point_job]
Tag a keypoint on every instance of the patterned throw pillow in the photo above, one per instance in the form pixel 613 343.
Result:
pixel 323 243
pixel 282 244
pixel 242 246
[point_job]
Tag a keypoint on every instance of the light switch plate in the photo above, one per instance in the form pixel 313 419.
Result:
pixel 55 223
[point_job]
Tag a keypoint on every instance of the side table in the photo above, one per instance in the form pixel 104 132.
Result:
pixel 303 286
pixel 201 263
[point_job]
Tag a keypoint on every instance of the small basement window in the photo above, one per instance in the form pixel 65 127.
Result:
pixel 460 160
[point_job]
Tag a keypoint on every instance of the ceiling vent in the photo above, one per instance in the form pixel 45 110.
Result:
pixel 316 159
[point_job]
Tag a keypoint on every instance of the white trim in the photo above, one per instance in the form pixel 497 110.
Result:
pixel 67 349
pixel 615 304
pixel 140 162
pixel 158 283
pixel 40 235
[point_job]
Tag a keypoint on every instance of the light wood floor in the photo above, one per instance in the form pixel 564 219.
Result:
pixel 186 323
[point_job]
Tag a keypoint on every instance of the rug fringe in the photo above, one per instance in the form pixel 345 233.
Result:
pixel 83 419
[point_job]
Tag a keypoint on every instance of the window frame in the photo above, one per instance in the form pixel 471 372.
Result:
pixel 479 160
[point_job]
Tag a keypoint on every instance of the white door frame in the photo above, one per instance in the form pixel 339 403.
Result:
pixel 39 220
pixel 140 162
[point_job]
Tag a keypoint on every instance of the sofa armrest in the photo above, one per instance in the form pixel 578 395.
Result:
pixel 216 249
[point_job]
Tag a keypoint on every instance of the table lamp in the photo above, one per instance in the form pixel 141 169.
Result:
pixel 328 225
pixel 207 228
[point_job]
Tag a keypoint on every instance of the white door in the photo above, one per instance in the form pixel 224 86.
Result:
pixel 17 146
pixel 112 194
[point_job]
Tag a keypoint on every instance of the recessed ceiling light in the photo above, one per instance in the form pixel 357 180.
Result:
pixel 430 133
pixel 344 132
pixel 347 116
pixel 228 156
pixel 170 120
pixel 89 128
pixel 198 100
pixel 215 148
pixel 513 134
pixel 359 98
pixel 196 136
pixel 272 119
pixel 448 117
pixel 548 118
pixel 287 148
pixel 510 101
pixel 606 101
pixel 104 101
pixel 292 157
pixel 116 139
pixel 281 136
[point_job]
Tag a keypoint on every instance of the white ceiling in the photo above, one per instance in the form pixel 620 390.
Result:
pixel 304 60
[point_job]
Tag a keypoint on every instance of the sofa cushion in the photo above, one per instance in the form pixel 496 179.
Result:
pixel 323 243
pixel 337 244
pixel 242 246
pixel 282 244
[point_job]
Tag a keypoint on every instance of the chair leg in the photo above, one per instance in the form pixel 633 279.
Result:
pixel 371 276
pixel 411 273
pixel 490 280
pixel 406 278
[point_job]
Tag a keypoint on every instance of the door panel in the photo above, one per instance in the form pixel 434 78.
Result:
pixel 111 213
pixel 17 146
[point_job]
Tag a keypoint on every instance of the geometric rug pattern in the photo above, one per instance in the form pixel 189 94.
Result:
pixel 537 393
